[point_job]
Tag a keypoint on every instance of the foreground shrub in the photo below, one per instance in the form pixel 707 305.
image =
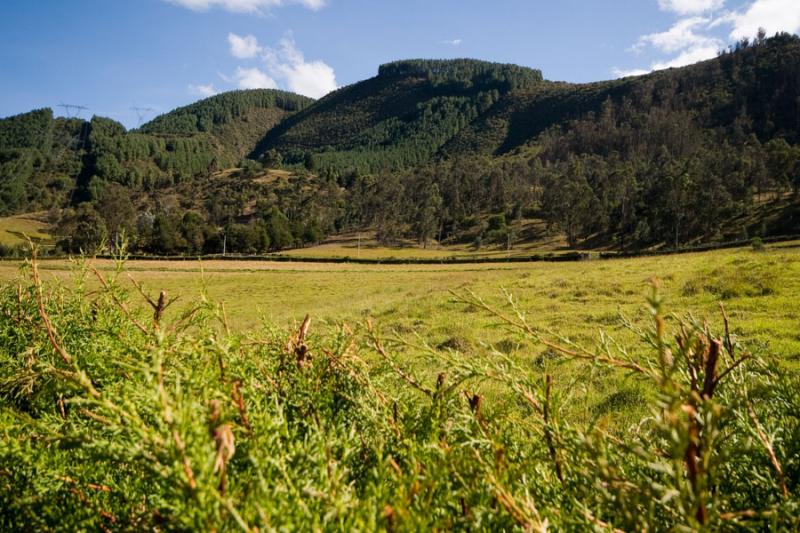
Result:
pixel 122 414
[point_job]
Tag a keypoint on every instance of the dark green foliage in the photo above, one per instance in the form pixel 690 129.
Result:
pixel 279 228
pixel 28 130
pixel 398 119
pixel 205 115
pixel 251 238
pixel 44 161
pixel 748 89
pixel 115 206
pixel 83 230
pixel 464 73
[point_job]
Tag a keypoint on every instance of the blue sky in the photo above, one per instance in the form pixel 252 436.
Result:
pixel 111 55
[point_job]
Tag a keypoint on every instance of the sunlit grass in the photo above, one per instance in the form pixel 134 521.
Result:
pixel 16 230
pixel 576 300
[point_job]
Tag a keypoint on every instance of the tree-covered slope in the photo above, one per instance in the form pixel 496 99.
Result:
pixel 402 117
pixel 415 111
pixel 236 119
pixel 753 88
pixel 457 150
pixel 45 160
pixel 39 160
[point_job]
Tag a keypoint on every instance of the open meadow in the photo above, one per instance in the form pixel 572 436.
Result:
pixel 254 280
pixel 577 301
pixel 408 402
pixel 760 290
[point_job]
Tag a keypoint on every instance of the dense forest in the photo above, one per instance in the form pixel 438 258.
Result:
pixel 452 151
pixel 400 118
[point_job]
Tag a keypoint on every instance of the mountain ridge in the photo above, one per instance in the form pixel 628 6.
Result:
pixel 456 148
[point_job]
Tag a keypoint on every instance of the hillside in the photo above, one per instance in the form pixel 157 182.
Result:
pixel 750 88
pixel 414 111
pixel 401 117
pixel 44 161
pixel 462 152
pixel 238 120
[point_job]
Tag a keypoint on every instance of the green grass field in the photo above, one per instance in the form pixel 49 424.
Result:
pixel 128 408
pixel 759 289
pixel 363 245
pixel 570 300
pixel 16 230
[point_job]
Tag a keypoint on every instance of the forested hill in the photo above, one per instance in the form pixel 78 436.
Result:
pixel 400 118
pixel 45 160
pixel 237 119
pixel 416 111
pixel 751 88
pixel 462 150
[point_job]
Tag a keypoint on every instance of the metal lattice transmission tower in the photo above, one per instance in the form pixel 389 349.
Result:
pixel 73 110
pixel 142 113
pixel 79 141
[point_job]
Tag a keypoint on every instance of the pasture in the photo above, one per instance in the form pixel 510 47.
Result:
pixel 404 385
pixel 760 291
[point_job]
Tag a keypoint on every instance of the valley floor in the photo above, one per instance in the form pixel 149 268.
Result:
pixel 760 291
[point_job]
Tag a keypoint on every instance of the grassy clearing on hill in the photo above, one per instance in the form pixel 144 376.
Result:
pixel 363 245
pixel 15 229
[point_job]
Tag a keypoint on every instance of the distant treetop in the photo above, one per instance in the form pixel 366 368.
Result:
pixel 223 108
pixel 466 72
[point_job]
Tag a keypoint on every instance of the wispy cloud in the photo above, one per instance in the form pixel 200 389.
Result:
pixel 283 66
pixel 772 15
pixel 202 90
pixel 243 47
pixel 696 35
pixel 690 7
pixel 687 57
pixel 682 35
pixel 246 6
pixel 453 42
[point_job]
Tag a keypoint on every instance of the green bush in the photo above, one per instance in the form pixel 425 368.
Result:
pixel 121 414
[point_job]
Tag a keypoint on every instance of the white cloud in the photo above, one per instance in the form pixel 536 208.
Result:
pixel 243 47
pixel 623 73
pixel 680 36
pixel 772 15
pixel 246 6
pixel 691 38
pixel 285 66
pixel 688 37
pixel 310 78
pixel 253 78
pixel 688 57
pixel 203 90
pixel 690 7
pixel 453 42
